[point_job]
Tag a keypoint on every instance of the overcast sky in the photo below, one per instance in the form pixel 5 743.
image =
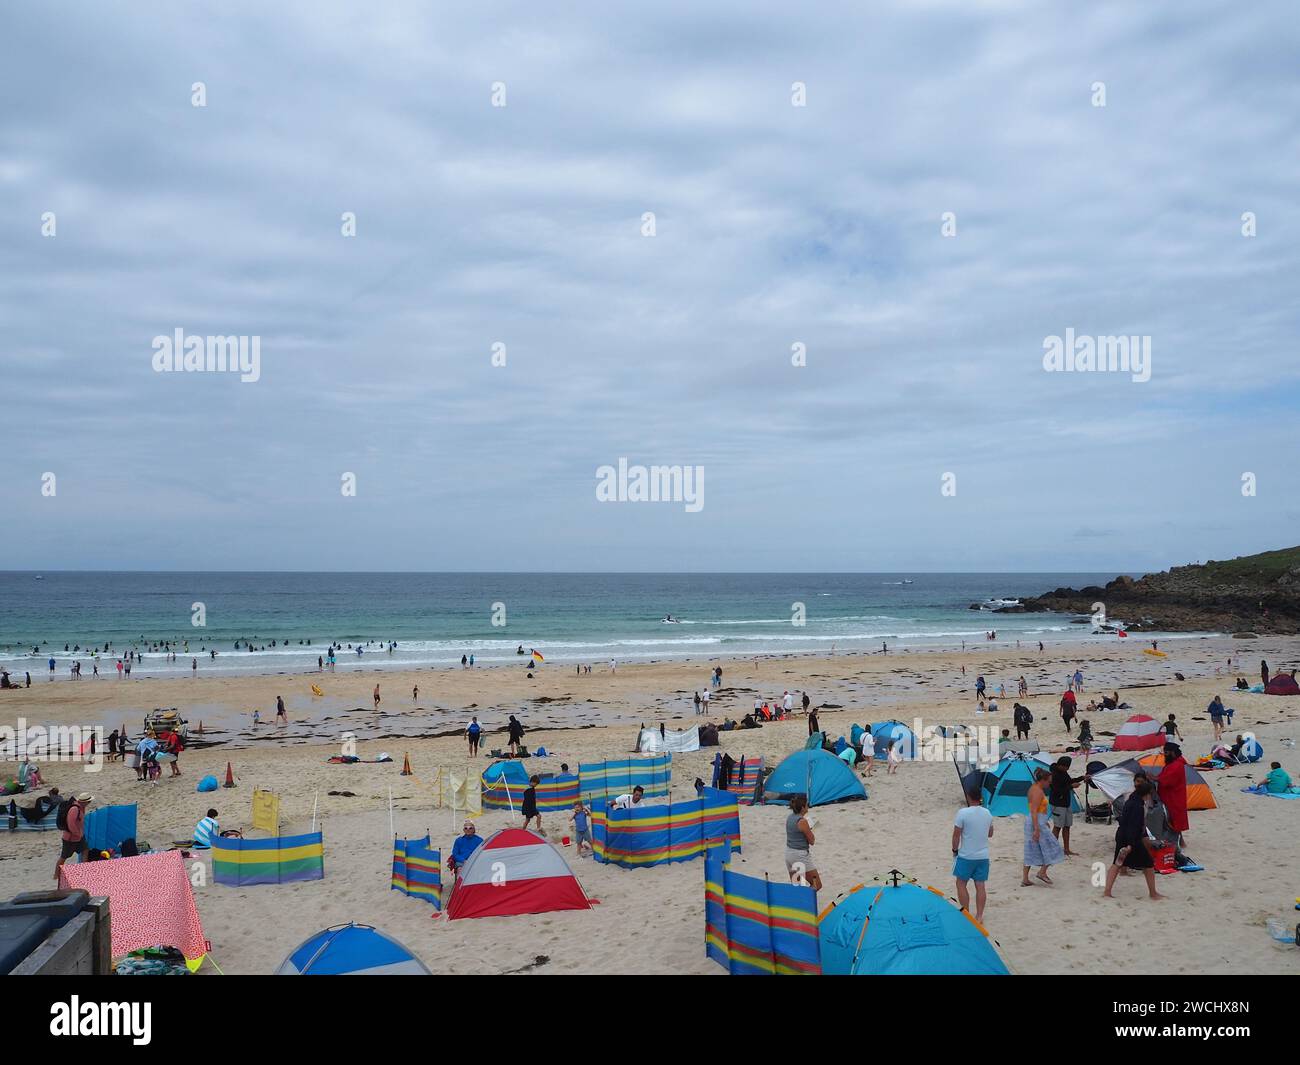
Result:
pixel 774 224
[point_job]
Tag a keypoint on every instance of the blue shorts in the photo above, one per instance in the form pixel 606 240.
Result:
pixel 976 869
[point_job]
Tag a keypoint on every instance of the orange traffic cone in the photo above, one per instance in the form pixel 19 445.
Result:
pixel 406 766
pixel 230 777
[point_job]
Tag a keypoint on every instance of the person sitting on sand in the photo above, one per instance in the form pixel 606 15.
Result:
pixel 1041 847
pixel 1004 739
pixel 466 844
pixel 206 829
pixel 748 722
pixel 1110 702
pixel 1278 780
pixel 1130 841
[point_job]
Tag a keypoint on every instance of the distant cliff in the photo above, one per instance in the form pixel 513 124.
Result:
pixel 1255 593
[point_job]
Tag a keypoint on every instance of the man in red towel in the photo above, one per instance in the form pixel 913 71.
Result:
pixel 1173 788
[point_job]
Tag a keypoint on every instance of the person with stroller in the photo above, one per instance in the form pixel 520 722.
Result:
pixel 1061 798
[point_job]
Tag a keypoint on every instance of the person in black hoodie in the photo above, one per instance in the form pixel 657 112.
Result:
pixel 1022 718
pixel 515 732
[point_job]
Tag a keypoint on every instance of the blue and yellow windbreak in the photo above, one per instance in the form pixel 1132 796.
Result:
pixel 279 860
pixel 754 927
pixel 417 870
pixel 599 779
pixel 653 835
pixel 554 796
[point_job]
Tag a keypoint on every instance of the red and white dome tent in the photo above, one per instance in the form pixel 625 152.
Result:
pixel 514 872
pixel 1140 733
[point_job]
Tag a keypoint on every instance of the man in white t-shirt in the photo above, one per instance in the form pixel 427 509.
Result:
pixel 972 830
pixel 627 802
pixel 787 702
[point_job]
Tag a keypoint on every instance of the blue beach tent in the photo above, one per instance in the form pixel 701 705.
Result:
pixel 352 950
pixel 884 731
pixel 510 772
pixel 893 928
pixel 818 774
pixel 1006 785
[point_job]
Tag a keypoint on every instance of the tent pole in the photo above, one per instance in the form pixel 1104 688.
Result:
pixel 391 831
pixel 314 802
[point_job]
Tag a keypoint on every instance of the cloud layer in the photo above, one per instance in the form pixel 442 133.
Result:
pixel 775 225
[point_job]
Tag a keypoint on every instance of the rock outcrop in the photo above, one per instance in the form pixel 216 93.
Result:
pixel 1254 593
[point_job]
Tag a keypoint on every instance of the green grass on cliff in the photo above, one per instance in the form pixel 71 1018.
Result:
pixel 1260 569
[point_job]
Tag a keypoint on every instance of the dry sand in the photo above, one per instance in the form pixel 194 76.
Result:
pixel 651 921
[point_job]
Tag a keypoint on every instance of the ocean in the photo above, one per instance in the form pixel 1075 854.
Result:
pixel 291 618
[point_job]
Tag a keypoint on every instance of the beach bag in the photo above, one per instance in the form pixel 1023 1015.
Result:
pixel 1164 860
pixel 61 818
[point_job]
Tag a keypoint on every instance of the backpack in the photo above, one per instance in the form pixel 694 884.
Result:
pixel 1029 716
pixel 61 818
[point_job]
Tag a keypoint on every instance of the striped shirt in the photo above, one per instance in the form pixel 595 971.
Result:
pixel 205 830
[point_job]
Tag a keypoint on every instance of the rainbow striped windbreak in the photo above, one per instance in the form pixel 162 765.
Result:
pixel 654 835
pixel 279 860
pixel 554 796
pixel 417 870
pixel 754 927
pixel 599 779
pixel 744 778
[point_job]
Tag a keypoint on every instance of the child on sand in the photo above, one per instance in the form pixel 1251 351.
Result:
pixel 581 828
pixel 895 757
pixel 529 808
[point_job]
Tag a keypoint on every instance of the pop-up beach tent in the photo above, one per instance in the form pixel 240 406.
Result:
pixel 884 731
pixel 817 774
pixel 513 872
pixel 351 950
pixel 1282 684
pixel 1006 786
pixel 1117 780
pixel 893 928
pixel 1139 733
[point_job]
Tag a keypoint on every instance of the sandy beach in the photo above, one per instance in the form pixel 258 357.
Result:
pixel 1212 921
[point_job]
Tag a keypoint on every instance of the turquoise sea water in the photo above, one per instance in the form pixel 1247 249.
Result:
pixel 436 617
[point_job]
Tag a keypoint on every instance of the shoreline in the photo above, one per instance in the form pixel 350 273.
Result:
pixel 905 823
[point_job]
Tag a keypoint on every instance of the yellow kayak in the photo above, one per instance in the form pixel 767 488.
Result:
pixel 1154 654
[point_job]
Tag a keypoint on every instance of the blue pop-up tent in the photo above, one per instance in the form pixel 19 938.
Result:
pixel 883 731
pixel 901 929
pixel 818 774
pixel 352 950
pixel 1006 786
